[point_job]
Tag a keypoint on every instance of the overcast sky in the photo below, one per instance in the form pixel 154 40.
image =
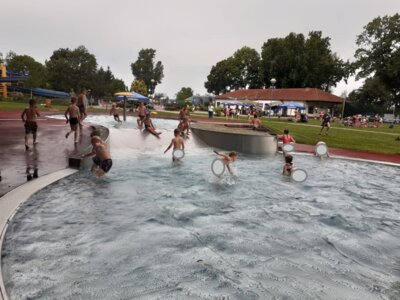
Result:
pixel 190 36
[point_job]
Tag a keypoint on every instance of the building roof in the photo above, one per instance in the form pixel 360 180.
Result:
pixel 306 94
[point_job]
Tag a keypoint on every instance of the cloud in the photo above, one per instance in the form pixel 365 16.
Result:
pixel 189 36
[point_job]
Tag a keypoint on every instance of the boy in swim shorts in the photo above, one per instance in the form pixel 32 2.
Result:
pixel 73 120
pixel 228 158
pixel 102 161
pixel 82 105
pixel 141 114
pixel 177 142
pixel 28 116
pixel 114 112
pixel 148 125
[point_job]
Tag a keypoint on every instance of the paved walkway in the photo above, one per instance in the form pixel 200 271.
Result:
pixel 53 150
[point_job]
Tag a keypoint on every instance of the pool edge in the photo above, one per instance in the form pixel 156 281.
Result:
pixel 10 202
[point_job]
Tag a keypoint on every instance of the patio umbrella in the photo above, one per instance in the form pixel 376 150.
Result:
pixel 130 96
pixel 127 94
pixel 124 96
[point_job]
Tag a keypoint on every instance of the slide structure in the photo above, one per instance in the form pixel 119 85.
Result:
pixel 8 78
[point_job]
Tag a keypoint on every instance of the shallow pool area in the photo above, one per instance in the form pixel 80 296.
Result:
pixel 152 229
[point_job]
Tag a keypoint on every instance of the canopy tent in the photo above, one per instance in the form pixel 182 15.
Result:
pixel 131 96
pixel 292 105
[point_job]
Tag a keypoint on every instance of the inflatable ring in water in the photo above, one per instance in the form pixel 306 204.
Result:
pixel 178 153
pixel 288 147
pixel 218 167
pixel 321 149
pixel 298 175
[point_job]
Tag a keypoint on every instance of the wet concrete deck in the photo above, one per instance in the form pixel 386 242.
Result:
pixel 49 155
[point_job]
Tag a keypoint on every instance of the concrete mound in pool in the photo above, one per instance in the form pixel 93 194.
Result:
pixel 238 137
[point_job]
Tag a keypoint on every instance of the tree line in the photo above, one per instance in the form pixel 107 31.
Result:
pixel 68 69
pixel 296 61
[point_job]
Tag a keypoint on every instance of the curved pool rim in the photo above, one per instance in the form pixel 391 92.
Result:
pixel 25 191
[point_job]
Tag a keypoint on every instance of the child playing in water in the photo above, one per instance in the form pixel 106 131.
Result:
pixel 228 158
pixel 74 116
pixel 148 125
pixel 141 114
pixel 28 116
pixel 286 137
pixel 177 142
pixel 114 112
pixel 102 162
pixel 288 166
pixel 184 125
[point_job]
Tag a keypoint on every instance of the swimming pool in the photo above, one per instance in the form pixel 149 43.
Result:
pixel 155 230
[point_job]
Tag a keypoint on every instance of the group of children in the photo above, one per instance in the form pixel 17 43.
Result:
pixel 102 162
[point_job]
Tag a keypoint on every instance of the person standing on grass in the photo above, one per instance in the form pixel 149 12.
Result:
pixel 82 105
pixel 210 111
pixel 73 120
pixel 28 116
pixel 326 119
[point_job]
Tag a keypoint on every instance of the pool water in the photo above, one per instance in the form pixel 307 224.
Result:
pixel 152 229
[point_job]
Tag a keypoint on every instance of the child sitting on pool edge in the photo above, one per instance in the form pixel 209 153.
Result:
pixel 178 143
pixel 286 137
pixel 227 159
pixel 102 162
pixel 148 125
pixel 288 166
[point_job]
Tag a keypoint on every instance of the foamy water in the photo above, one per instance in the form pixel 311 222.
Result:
pixel 154 230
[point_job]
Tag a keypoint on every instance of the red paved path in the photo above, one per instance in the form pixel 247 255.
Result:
pixel 51 154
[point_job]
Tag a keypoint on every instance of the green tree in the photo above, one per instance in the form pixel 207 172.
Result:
pixel 147 70
pixel 239 71
pixel 72 69
pixel 221 77
pixel 184 93
pixel 371 97
pixel 27 65
pixel 247 70
pixel 378 59
pixel 297 62
pixel 139 86
pixel 116 85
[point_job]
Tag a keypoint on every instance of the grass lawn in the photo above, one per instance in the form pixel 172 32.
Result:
pixel 21 106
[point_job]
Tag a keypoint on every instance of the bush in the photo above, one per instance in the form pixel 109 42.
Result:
pixel 218 111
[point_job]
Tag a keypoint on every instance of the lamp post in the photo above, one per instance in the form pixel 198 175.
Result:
pixel 344 104
pixel 125 108
pixel 273 81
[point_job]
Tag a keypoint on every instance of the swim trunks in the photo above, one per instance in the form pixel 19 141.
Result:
pixel 82 109
pixel 30 127
pixel 105 165
pixel 146 127
pixel 141 117
pixel 73 121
